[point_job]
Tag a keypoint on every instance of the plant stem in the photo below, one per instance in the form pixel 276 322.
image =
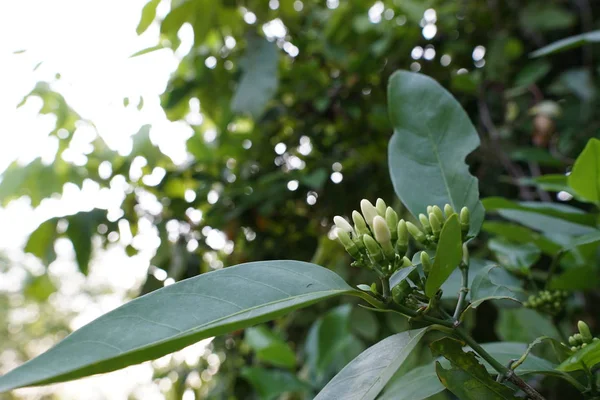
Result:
pixel 507 372
pixel 385 283
pixel 464 289
pixel 554 265
pixel 414 314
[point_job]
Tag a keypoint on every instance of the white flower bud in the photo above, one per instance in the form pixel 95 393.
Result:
pixel 381 230
pixel 368 210
pixel 342 224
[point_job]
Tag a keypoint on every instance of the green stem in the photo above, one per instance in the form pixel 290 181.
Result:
pixel 464 289
pixel 414 314
pixel 554 266
pixel 505 371
pixel 385 283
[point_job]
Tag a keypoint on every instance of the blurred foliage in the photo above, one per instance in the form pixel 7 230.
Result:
pixel 294 130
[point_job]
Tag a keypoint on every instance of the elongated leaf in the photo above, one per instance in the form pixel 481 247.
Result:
pixel 418 384
pixel 368 373
pixel 585 176
pixel 588 356
pixel 561 211
pixel 269 384
pixel 148 15
pixel 426 154
pixel 521 234
pixel 519 257
pixel 467 378
pixel 176 316
pixel 401 275
pixel 259 80
pixel 331 345
pixel 495 283
pixel 447 257
pixel 567 43
pixel 269 347
pixel 423 382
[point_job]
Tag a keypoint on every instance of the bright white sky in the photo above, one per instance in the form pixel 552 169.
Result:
pixel 89 44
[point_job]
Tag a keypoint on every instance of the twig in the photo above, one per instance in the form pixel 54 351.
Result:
pixel 508 373
pixel 464 289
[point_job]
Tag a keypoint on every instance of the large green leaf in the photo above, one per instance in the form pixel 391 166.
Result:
pixel 418 384
pixel 330 345
pixel 518 257
pixel 269 384
pixel 368 373
pixel 447 257
pixel 41 241
pixel 426 154
pixel 588 356
pixel 568 43
pixel 585 175
pixel 148 15
pixel 495 283
pixel 561 211
pixel 269 347
pixel 423 382
pixel 176 316
pixel 467 378
pixel 259 80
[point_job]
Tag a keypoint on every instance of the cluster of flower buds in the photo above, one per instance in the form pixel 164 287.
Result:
pixel 378 240
pixel 434 221
pixel 546 301
pixel 583 338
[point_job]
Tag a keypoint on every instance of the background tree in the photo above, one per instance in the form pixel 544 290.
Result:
pixel 287 101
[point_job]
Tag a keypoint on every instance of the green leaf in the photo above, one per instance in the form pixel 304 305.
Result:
pixel 330 344
pixel 561 211
pixel 259 79
pixel 41 241
pixel 467 378
pixel 583 277
pixel 368 373
pixel 207 305
pixel 521 234
pixel 519 257
pixel 147 50
pixel 567 43
pixel 588 356
pixel 365 323
pixel 524 325
pixel 148 15
pixel 269 384
pixel 401 275
pixel 585 175
pixel 422 382
pixel 447 257
pixel 495 283
pixel 426 154
pixel 269 347
pixel 418 384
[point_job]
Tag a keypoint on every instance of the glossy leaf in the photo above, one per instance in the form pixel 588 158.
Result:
pixel 417 384
pixel 495 283
pixel 269 347
pixel 585 175
pixel 568 43
pixel 423 382
pixel 467 379
pixel 269 384
pixel 368 373
pixel 426 154
pixel 259 79
pixel 401 275
pixel 588 356
pixel 447 257
pixel 514 256
pixel 207 305
pixel 521 234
